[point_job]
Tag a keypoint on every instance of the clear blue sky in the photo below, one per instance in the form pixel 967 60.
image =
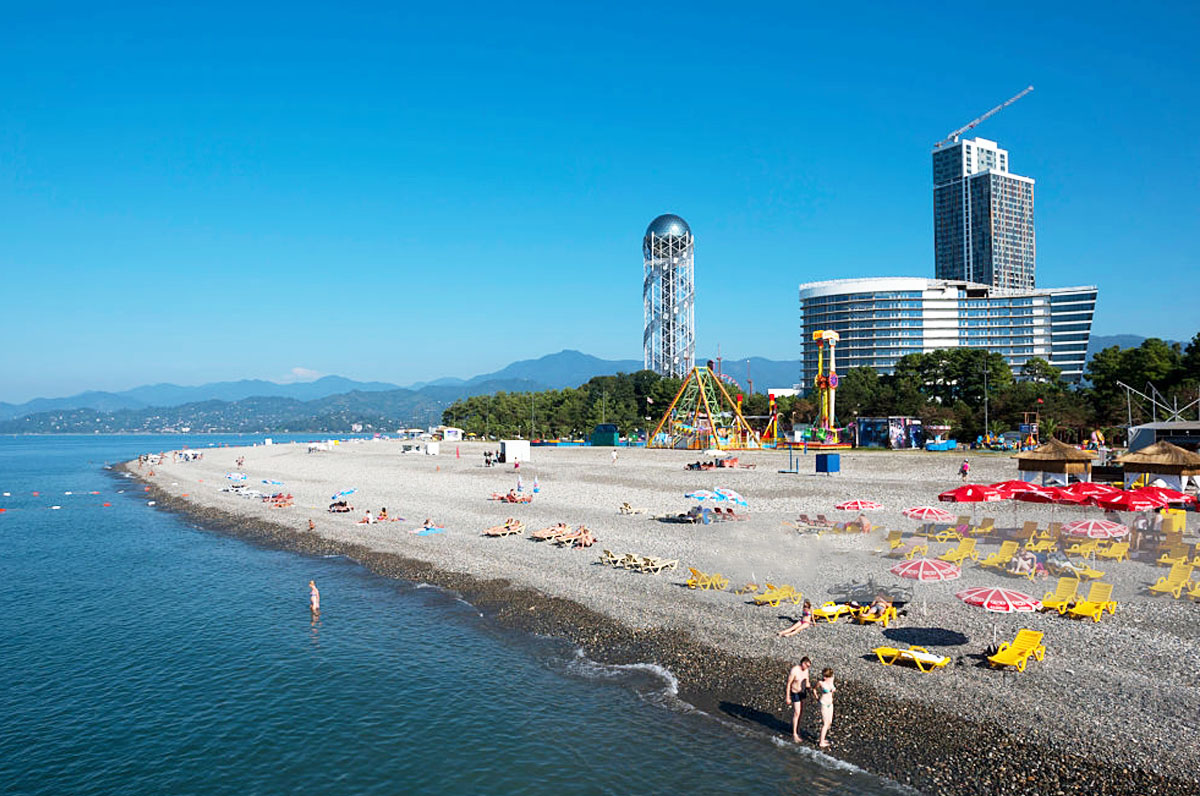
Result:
pixel 239 190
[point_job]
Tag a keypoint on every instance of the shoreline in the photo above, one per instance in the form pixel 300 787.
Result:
pixel 908 742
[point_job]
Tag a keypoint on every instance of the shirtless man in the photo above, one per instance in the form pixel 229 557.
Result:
pixel 314 598
pixel 797 688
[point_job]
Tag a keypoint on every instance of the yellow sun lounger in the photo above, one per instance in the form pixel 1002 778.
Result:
pixel 1002 557
pixel 1041 546
pixel 1176 555
pixel 654 565
pixel 1098 601
pixel 965 550
pixel 749 588
pixel 831 612
pixel 1175 581
pixel 865 616
pixel 916 550
pixel 610 559
pixel 705 581
pixel 895 539
pixel 954 534
pixel 773 597
pixel 1117 551
pixel 922 658
pixel 1083 548
pixel 1027 643
pixel 1063 595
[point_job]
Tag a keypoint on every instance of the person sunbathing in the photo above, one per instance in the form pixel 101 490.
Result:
pixel 427 524
pixel 805 621
pixel 1023 563
pixel 383 515
pixel 878 606
pixel 367 519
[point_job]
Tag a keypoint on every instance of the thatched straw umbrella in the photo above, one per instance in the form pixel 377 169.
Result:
pixel 1173 464
pixel 1058 458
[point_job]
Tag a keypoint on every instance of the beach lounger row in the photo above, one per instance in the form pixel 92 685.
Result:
pixel 638 563
pixel 1026 645
pixel 1066 601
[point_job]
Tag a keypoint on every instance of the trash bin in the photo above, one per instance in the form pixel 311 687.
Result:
pixel 829 462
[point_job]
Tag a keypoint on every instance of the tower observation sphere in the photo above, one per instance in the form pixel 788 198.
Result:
pixel 668 296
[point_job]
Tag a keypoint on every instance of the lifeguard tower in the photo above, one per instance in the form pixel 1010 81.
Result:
pixel 825 434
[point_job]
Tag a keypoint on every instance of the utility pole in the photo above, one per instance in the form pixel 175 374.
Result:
pixel 986 428
pixel 604 407
pixel 531 416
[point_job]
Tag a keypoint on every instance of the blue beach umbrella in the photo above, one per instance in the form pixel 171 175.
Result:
pixel 704 494
pixel 269 481
pixel 731 496
pixel 344 492
pixel 236 476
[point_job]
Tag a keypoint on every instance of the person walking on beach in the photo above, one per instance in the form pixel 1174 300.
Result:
pixel 824 690
pixel 614 455
pixel 796 690
pixel 314 598
pixel 964 470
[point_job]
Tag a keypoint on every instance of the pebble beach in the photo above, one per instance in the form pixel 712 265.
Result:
pixel 1112 709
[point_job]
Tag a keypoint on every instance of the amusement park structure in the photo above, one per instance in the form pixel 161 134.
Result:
pixel 824 434
pixel 703 415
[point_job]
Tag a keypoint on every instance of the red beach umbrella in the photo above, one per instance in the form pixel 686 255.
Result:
pixel 925 569
pixel 998 600
pixel 1166 495
pixel 970 493
pixel 1130 501
pixel 1039 495
pixel 1064 497
pixel 928 514
pixel 1090 489
pixel 858 505
pixel 1009 489
pixel 1095 529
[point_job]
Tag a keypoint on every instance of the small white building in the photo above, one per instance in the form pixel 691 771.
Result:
pixel 514 450
pixel 448 433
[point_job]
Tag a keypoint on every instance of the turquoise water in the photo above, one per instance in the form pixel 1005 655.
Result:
pixel 143 655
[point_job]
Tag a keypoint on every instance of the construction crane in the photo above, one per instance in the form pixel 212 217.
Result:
pixel 953 137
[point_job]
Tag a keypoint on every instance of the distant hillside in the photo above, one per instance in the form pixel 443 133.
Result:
pixel 1102 341
pixel 554 371
pixel 377 411
pixel 175 395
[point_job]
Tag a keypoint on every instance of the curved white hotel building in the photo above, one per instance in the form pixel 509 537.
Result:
pixel 882 319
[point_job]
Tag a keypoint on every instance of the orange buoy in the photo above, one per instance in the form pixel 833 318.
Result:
pixel 35 494
pixel 106 505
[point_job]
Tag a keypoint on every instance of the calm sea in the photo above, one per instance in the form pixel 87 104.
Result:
pixel 143 655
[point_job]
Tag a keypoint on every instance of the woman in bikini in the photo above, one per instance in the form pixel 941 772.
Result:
pixel 824 690
pixel 806 620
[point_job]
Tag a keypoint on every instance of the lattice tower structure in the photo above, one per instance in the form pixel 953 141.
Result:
pixel 668 297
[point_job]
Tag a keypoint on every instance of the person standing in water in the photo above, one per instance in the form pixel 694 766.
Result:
pixel 825 689
pixel 314 597
pixel 797 689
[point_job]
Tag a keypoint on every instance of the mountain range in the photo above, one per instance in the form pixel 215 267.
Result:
pixel 331 402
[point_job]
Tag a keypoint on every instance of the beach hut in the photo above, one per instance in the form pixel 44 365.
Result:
pixel 1163 461
pixel 605 435
pixel 1055 462
pixel 512 450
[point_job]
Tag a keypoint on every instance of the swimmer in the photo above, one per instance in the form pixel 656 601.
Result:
pixel 314 598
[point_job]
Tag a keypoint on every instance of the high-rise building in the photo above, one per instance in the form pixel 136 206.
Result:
pixel 982 217
pixel 668 297
pixel 883 319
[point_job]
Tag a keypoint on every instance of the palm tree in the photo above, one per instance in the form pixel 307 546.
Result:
pixel 1047 428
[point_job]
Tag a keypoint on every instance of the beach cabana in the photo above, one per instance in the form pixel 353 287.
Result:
pixel 1055 462
pixel 1163 461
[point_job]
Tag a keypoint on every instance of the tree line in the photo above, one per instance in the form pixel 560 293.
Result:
pixel 970 390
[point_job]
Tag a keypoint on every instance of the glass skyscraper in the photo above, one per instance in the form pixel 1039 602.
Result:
pixel 982 217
